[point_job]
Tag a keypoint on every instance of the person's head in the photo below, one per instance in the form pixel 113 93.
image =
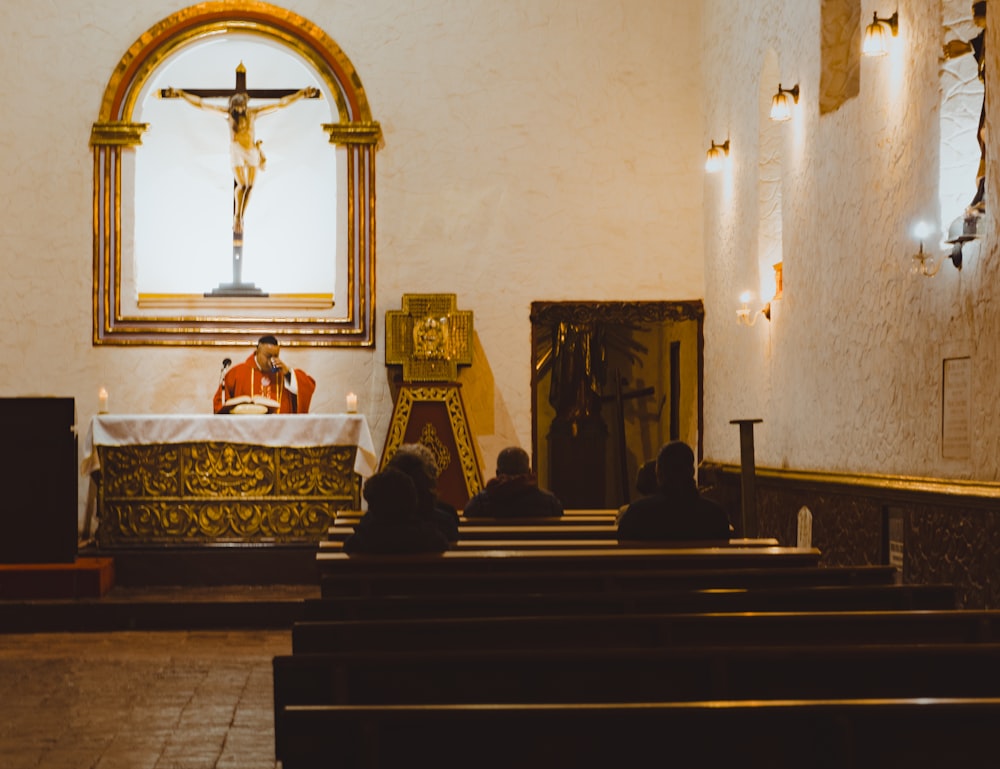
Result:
pixel 513 460
pixel 675 465
pixel 418 462
pixel 391 494
pixel 645 480
pixel 267 351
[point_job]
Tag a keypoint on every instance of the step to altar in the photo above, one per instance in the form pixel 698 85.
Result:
pixel 83 578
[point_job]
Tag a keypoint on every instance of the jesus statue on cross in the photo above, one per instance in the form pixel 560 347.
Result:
pixel 245 151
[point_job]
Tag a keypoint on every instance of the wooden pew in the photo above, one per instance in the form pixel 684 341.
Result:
pixel 443 668
pixel 627 581
pixel 485 677
pixel 336 542
pixel 859 597
pixel 680 557
pixel 561 520
pixel 711 734
pixel 350 517
pixel 581 531
pixel 609 674
pixel 484 571
pixel 647 630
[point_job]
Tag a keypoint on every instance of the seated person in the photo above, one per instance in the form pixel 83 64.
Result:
pixel 265 377
pixel 645 479
pixel 418 462
pixel 645 484
pixel 514 492
pixel 392 523
pixel 677 510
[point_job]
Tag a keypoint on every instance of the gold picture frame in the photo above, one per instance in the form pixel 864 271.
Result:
pixel 342 317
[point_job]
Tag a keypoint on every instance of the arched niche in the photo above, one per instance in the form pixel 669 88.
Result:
pixel 326 241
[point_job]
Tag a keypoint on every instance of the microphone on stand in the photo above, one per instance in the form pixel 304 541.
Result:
pixel 226 363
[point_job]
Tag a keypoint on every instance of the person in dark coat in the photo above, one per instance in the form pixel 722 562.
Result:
pixel 514 492
pixel 677 511
pixel 645 484
pixel 418 462
pixel 645 479
pixel 392 523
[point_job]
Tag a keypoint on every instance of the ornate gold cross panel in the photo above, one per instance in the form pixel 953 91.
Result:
pixel 430 337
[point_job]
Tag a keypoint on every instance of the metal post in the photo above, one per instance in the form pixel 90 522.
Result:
pixel 748 478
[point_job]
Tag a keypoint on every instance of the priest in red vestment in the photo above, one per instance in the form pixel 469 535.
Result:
pixel 264 383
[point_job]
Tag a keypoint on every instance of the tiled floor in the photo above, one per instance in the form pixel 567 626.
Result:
pixel 138 700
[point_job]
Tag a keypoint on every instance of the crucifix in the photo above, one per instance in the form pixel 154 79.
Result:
pixel 245 151
pixel 619 397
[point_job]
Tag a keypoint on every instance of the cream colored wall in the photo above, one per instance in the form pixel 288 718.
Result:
pixel 534 150
pixel 847 375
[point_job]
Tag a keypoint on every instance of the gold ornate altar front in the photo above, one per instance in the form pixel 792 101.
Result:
pixel 219 491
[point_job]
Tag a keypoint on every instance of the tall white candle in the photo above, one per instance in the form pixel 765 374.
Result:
pixel 352 403
pixel 102 401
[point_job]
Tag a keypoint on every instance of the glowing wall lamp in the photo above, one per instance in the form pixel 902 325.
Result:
pixel 875 43
pixel 962 231
pixel 781 107
pixel 716 156
pixel 746 317
pixel 925 263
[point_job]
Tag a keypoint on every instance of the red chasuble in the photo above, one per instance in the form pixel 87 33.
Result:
pixel 249 384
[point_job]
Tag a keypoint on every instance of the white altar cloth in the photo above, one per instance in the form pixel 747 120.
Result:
pixel 295 430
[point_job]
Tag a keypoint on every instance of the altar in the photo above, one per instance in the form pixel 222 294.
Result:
pixel 211 479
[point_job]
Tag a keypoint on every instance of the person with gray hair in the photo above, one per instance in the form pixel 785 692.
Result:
pixel 676 511
pixel 392 524
pixel 418 462
pixel 514 492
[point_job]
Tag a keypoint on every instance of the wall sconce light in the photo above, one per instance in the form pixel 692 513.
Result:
pixel 961 231
pixel 746 317
pixel 875 43
pixel 781 108
pixel 924 263
pixel 715 156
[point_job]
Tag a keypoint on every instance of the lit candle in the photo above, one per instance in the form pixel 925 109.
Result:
pixel 352 403
pixel 102 401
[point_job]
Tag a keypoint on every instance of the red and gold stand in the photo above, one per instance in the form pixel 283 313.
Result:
pixel 430 337
pixel 434 414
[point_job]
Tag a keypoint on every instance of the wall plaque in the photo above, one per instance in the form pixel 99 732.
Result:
pixel 955 388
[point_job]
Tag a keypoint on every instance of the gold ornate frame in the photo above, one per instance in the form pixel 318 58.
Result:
pixel 115 132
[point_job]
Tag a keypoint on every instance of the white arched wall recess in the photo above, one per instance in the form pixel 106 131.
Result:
pixel 321 255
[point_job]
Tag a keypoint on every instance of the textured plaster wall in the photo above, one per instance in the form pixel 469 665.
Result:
pixel 534 150
pixel 847 375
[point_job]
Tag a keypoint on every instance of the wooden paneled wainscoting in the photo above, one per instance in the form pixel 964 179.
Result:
pixel 942 531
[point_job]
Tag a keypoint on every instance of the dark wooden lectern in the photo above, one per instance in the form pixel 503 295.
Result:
pixel 38 511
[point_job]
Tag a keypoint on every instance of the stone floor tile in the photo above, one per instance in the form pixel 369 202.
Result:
pixel 138 700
